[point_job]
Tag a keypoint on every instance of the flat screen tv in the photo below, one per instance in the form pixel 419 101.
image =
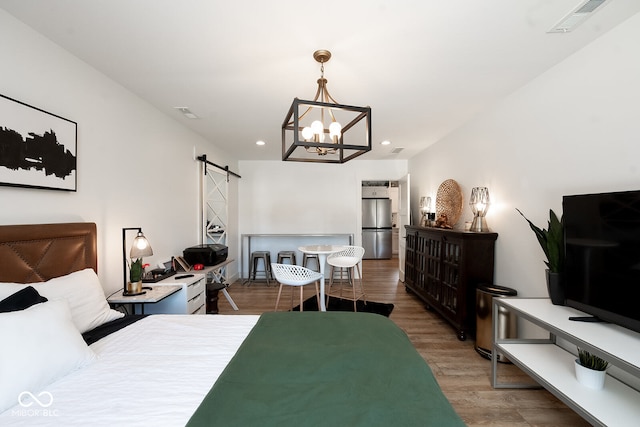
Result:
pixel 602 248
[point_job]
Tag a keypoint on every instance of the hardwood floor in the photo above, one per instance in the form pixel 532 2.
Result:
pixel 461 372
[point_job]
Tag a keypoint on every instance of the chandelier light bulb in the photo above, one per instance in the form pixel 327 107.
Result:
pixel 335 129
pixel 307 133
pixel 317 127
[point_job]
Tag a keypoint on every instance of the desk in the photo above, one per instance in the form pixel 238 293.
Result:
pixel 322 251
pixel 150 296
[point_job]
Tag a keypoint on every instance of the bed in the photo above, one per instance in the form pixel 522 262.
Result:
pixel 285 368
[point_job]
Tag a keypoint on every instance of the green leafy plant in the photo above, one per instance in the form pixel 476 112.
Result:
pixel 592 361
pixel 135 270
pixel 551 240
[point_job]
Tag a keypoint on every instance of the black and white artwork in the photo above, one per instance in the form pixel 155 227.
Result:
pixel 37 148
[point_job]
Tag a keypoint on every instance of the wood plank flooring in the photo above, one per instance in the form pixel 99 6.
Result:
pixel 461 372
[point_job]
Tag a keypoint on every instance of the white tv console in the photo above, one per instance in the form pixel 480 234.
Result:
pixel 552 366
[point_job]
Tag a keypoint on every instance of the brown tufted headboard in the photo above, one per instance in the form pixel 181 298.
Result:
pixel 39 252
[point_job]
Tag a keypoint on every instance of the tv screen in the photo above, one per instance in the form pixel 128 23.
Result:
pixel 602 247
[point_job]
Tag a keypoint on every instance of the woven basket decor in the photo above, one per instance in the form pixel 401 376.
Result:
pixel 449 201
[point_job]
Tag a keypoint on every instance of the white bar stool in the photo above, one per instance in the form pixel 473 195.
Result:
pixel 347 260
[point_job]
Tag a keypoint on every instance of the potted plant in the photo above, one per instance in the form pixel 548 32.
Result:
pixel 591 370
pixel 552 242
pixel 135 276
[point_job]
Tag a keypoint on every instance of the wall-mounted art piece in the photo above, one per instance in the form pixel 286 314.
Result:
pixel 37 149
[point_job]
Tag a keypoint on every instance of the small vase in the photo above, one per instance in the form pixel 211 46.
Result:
pixel 590 378
pixel 134 287
pixel 555 287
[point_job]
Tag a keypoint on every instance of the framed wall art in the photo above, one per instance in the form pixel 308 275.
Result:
pixel 37 148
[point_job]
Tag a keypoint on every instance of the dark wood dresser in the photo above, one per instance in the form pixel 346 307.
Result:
pixel 443 268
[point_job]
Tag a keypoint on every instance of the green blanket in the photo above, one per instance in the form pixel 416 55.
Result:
pixel 326 369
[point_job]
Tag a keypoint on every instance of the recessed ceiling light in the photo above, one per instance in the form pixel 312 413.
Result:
pixel 385 142
pixel 261 142
pixel 186 112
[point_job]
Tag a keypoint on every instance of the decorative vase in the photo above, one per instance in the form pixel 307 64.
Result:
pixel 555 287
pixel 134 287
pixel 589 377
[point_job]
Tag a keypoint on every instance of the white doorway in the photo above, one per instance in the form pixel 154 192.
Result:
pixel 404 218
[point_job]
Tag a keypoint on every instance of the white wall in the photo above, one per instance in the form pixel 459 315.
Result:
pixel 295 197
pixel 575 129
pixel 307 198
pixel 135 165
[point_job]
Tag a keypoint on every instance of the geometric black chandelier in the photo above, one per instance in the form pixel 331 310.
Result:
pixel 314 131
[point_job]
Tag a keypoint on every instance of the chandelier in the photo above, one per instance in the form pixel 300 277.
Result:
pixel 314 131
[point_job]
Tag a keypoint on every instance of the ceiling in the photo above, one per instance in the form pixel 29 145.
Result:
pixel 424 67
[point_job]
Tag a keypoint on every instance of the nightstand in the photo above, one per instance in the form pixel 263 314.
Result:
pixel 151 296
pixel 190 298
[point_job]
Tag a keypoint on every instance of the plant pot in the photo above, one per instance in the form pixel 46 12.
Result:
pixel 590 378
pixel 134 287
pixel 555 287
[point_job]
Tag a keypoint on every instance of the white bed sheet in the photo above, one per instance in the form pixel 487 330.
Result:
pixel 152 373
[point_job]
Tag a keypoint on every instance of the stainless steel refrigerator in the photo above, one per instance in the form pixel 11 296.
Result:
pixel 376 228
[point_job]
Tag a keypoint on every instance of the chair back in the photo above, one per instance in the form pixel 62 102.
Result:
pixel 294 275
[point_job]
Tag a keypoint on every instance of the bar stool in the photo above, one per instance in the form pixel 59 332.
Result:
pixel 290 255
pixel 314 257
pixel 347 260
pixel 256 256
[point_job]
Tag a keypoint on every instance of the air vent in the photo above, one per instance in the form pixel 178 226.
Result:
pixel 186 112
pixel 578 16
pixel 397 150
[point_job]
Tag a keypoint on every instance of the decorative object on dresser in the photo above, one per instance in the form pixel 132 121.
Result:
pixel 425 210
pixel 591 370
pixel 304 129
pixel 552 243
pixel 449 204
pixel 443 268
pixel 140 248
pixel 479 206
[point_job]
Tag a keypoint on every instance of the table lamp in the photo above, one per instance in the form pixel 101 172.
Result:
pixel 139 249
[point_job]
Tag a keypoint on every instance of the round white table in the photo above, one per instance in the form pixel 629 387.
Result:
pixel 322 251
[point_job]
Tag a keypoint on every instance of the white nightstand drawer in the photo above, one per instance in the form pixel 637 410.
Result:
pixel 196 302
pixel 195 288
pixel 201 310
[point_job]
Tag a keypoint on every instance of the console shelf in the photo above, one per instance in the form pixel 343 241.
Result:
pixel 553 367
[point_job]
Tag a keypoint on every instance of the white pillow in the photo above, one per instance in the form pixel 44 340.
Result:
pixel 83 292
pixel 40 345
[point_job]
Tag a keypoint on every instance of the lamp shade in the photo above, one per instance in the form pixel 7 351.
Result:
pixel 140 247
pixel 479 203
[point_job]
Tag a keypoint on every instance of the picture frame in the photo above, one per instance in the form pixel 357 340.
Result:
pixel 38 149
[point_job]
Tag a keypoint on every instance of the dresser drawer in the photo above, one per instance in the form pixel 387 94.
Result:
pixel 195 288
pixel 201 310
pixel 195 303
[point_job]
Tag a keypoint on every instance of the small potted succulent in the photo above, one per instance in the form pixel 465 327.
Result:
pixel 591 370
pixel 552 243
pixel 136 271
